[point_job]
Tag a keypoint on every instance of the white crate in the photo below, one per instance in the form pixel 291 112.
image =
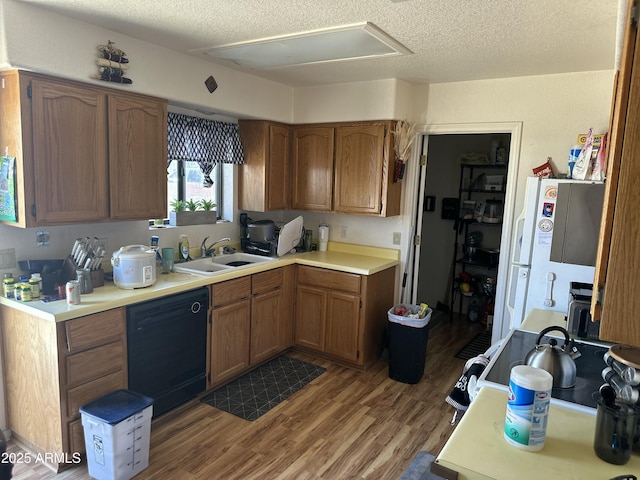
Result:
pixel 117 451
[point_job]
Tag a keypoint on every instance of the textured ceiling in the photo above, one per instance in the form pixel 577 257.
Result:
pixel 452 40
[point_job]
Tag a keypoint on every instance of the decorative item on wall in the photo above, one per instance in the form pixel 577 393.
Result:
pixel 404 137
pixel 112 64
pixel 211 84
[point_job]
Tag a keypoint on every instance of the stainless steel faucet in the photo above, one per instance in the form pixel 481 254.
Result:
pixel 210 250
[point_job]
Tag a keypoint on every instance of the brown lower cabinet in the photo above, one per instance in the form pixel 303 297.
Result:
pixel 251 322
pixel 342 315
pixel 52 369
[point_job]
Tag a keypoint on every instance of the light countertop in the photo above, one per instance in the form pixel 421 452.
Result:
pixel 351 258
pixel 477 449
pixel 537 320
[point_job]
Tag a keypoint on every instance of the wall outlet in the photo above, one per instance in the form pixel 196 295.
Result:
pixel 343 231
pixel 8 258
pixel 42 238
pixel 396 238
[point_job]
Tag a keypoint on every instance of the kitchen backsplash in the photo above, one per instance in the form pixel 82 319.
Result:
pixel 343 228
pixel 116 234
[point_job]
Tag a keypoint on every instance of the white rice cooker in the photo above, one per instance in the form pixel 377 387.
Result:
pixel 134 266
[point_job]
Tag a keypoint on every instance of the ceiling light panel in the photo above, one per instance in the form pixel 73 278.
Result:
pixel 363 40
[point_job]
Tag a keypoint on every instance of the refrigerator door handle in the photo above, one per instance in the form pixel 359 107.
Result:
pixel 548 301
pixel 517 297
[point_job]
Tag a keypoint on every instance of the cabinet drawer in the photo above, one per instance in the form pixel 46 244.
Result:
pixel 231 291
pixel 97 362
pixel 94 330
pixel 91 391
pixel 266 281
pixel 329 279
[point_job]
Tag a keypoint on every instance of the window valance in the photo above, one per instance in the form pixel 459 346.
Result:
pixel 207 142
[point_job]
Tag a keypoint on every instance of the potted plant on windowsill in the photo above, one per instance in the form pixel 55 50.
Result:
pixel 189 213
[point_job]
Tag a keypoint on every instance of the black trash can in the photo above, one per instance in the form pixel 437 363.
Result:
pixel 408 345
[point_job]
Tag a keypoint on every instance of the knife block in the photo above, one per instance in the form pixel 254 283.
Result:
pixel 97 277
pixel 68 271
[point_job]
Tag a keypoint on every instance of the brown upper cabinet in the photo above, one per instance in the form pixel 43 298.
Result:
pixel 363 181
pixel 618 260
pixel 333 167
pixel 264 183
pixel 312 168
pixel 345 168
pixel 84 153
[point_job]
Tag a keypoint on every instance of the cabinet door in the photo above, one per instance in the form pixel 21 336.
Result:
pixel 358 169
pixel 230 340
pixel 312 165
pixel 311 308
pixel 264 178
pixel 278 175
pixel 343 323
pixel 266 328
pixel 619 263
pixel 70 153
pixel 137 157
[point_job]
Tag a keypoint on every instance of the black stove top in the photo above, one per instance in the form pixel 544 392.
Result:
pixel 589 368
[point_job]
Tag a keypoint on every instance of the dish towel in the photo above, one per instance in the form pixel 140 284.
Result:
pixel 461 395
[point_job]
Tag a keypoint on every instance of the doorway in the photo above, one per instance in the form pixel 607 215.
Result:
pixel 438 178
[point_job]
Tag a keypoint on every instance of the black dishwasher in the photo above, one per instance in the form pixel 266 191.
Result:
pixel 167 348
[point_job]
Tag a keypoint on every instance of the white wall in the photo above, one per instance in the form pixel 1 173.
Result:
pixel 3 40
pixel 46 42
pixel 375 100
pixel 554 109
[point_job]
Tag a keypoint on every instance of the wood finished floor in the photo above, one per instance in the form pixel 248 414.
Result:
pixel 346 424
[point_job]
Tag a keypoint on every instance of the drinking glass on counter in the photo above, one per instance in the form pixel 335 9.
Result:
pixel 167 259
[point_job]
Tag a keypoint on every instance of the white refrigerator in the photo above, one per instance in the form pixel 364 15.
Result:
pixel 535 280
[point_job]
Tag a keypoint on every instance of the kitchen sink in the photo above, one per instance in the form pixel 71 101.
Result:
pixel 221 263
pixel 239 259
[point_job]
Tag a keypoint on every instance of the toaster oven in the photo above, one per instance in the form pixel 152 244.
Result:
pixel 579 321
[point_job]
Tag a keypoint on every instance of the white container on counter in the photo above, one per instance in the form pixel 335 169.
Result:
pixel 323 236
pixel 134 266
pixel 525 425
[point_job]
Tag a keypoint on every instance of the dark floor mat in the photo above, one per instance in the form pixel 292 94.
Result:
pixel 257 392
pixel 479 344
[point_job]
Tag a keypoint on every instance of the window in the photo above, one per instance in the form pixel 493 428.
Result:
pixel 186 182
pixel 197 150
